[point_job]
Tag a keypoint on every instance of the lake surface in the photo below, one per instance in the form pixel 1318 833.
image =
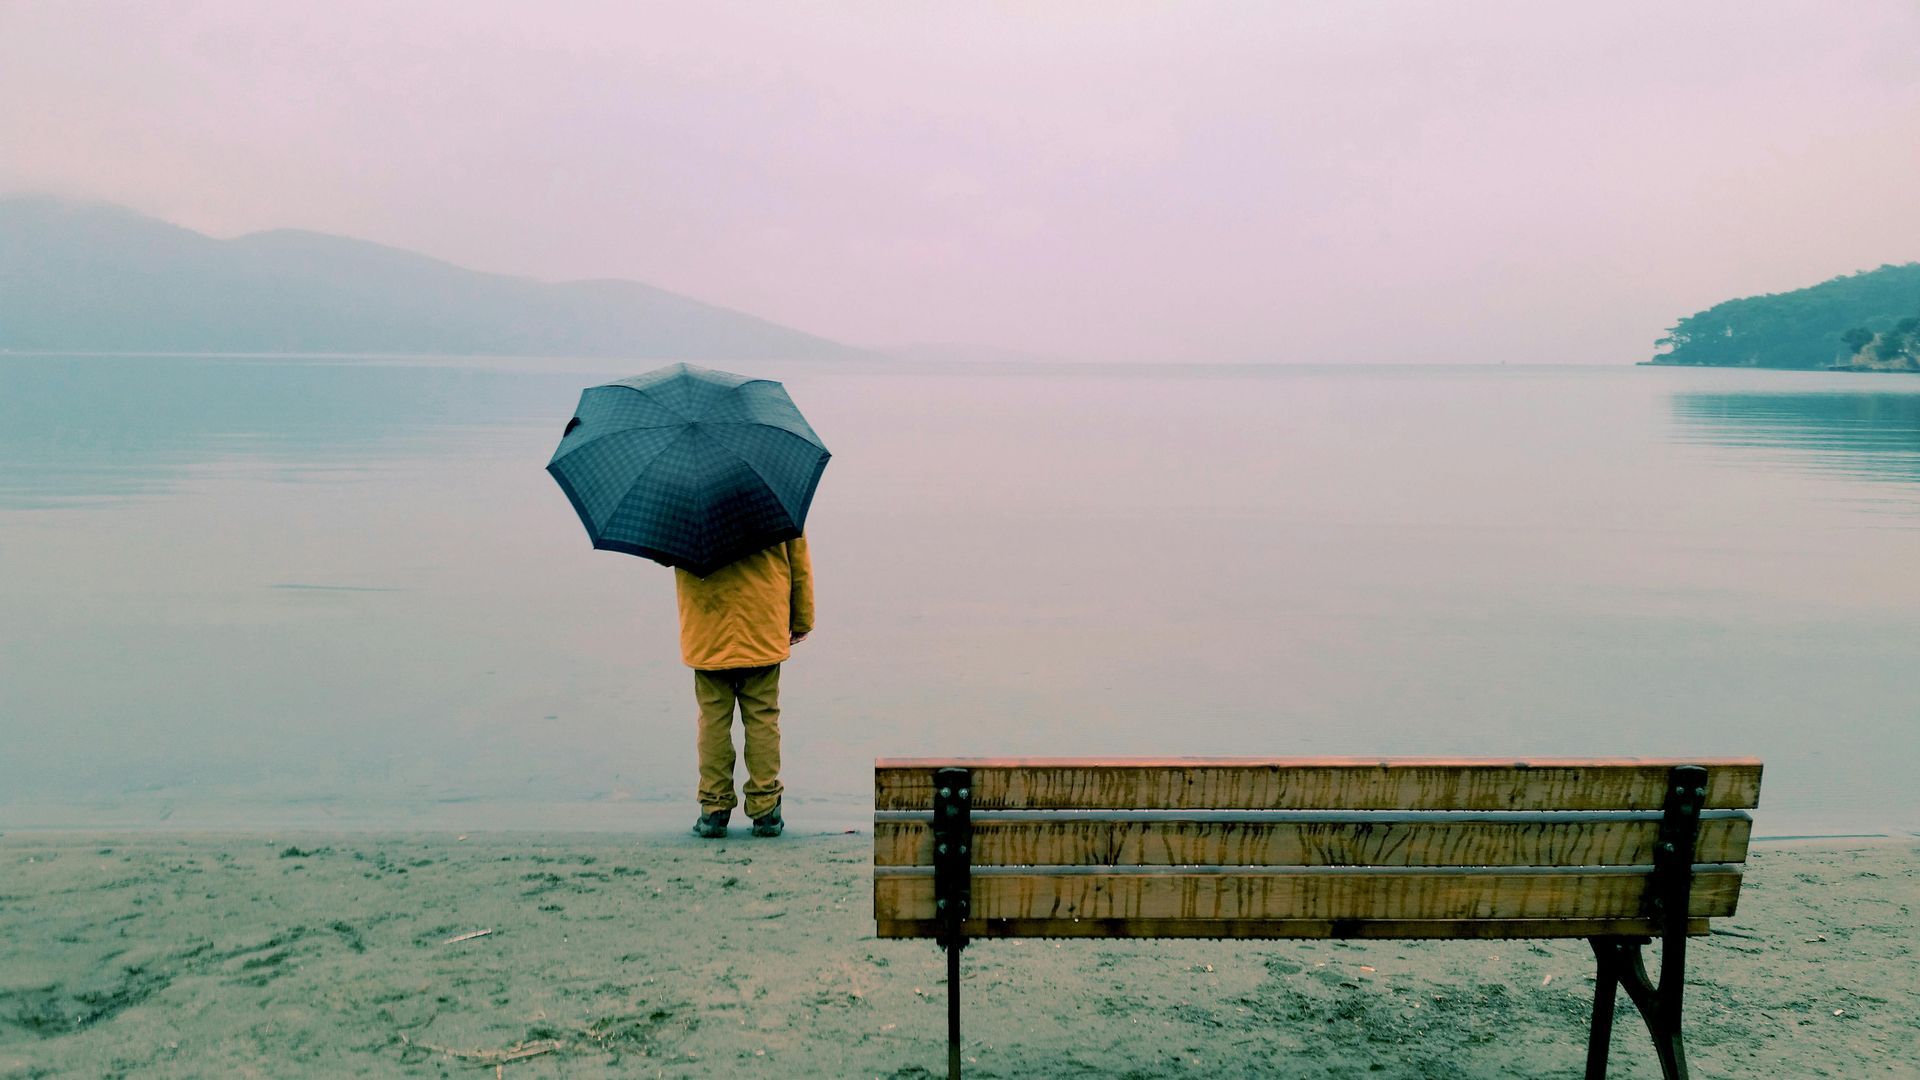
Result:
pixel 276 593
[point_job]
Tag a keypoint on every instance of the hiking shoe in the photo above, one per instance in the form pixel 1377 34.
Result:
pixel 769 823
pixel 712 826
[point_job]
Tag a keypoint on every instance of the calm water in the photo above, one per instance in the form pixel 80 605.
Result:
pixel 275 593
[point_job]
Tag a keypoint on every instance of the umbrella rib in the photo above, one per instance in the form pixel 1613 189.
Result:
pixel 764 424
pixel 773 427
pixel 622 431
pixel 755 469
pixel 646 392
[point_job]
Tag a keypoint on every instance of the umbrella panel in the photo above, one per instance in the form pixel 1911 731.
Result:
pixel 599 473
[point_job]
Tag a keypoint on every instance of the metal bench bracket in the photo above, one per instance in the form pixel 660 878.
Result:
pixel 1619 959
pixel 953 886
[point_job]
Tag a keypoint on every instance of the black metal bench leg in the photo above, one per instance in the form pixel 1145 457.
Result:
pixel 953 1011
pixel 1600 1034
pixel 1620 965
pixel 1666 1005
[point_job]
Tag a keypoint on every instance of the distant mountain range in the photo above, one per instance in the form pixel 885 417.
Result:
pixel 1858 322
pixel 85 277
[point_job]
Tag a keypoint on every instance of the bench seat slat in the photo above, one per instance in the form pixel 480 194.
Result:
pixel 1151 870
pixel 1315 784
pixel 1287 928
pixel 1239 838
pixel 1354 817
pixel 1302 893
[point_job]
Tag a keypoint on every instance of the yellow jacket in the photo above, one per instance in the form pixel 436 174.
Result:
pixel 746 613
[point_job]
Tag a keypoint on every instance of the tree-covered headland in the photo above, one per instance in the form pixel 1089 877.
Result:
pixel 1864 321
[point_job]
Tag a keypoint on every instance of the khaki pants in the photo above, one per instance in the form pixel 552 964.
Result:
pixel 757 690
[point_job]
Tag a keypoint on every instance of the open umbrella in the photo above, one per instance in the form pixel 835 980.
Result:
pixel 689 467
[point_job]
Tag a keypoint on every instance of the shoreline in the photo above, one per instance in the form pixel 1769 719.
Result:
pixel 1852 369
pixel 321 954
pixel 647 832
pixel 652 816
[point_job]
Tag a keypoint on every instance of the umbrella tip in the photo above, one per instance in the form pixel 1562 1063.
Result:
pixel 571 424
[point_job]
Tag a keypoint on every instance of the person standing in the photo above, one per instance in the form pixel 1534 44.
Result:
pixel 737 626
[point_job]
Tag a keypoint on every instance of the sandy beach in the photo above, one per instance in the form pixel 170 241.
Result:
pixel 176 955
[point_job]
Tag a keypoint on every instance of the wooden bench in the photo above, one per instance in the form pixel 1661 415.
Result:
pixel 1618 851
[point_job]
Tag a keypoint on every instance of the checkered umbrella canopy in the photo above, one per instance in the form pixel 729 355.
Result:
pixel 689 467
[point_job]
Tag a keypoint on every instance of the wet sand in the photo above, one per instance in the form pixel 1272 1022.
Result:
pixel 174 955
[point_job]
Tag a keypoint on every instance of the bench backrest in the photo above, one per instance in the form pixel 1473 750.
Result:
pixel 1319 847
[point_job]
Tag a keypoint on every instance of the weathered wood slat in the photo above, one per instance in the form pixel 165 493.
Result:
pixel 1402 843
pixel 1327 893
pixel 1310 817
pixel 1351 760
pixel 1316 783
pixel 1288 928
pixel 1300 871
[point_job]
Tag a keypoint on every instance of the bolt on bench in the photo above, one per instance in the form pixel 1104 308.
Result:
pixel 1618 851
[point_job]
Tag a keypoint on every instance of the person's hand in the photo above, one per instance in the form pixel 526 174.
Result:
pixel 797 639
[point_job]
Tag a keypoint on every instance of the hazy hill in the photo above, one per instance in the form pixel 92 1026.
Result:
pixel 88 277
pixel 1806 328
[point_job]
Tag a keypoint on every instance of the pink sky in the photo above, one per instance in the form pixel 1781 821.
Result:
pixel 1285 182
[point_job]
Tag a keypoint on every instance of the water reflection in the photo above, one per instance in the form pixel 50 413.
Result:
pixel 1868 435
pixel 87 430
